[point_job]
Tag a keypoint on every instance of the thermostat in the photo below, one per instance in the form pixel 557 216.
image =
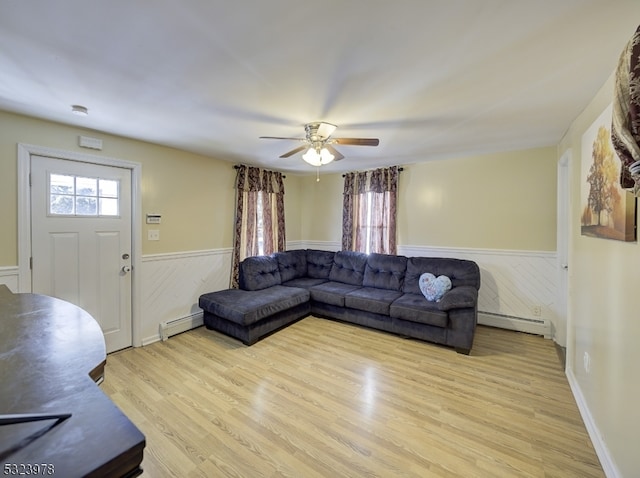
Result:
pixel 153 218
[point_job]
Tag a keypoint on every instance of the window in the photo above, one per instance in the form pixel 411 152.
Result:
pixel 259 225
pixel 367 226
pixel 71 195
pixel 372 227
pixel 369 211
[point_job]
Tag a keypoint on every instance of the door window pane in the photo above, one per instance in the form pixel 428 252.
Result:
pixel 86 206
pixel 108 207
pixel 83 196
pixel 62 184
pixel 108 188
pixel 61 204
pixel 87 186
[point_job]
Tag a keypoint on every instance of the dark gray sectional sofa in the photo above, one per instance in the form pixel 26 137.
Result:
pixel 374 290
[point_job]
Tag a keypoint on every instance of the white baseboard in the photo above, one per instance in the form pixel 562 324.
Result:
pixel 608 466
pixel 9 276
pixel 530 326
pixel 150 340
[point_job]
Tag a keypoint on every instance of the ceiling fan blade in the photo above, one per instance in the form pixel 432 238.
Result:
pixel 279 137
pixel 357 141
pixel 294 151
pixel 337 155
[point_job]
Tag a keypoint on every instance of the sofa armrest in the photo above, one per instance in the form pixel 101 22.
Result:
pixel 459 297
pixel 259 272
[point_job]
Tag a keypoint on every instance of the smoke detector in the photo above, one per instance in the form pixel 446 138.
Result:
pixel 79 110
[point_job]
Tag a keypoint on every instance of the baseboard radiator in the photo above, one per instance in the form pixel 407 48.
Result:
pixel 177 326
pixel 537 326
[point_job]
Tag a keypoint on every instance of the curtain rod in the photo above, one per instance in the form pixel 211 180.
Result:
pixel 237 166
pixel 400 169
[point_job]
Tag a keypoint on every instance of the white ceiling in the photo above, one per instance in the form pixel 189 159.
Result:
pixel 431 78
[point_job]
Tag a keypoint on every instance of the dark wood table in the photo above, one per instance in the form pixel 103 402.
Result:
pixel 52 353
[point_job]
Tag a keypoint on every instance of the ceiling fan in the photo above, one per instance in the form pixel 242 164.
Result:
pixel 319 143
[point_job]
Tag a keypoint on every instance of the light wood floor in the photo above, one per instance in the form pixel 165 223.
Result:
pixel 325 399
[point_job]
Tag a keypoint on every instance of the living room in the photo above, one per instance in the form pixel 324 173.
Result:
pixel 497 208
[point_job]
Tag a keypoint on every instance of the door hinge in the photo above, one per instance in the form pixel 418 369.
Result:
pixel 31 263
pixel 29 179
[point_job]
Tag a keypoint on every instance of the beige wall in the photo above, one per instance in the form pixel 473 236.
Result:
pixel 322 208
pixel 497 201
pixel 193 193
pixel 293 207
pixel 454 203
pixel 604 316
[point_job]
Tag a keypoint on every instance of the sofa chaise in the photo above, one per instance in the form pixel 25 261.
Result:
pixel 373 290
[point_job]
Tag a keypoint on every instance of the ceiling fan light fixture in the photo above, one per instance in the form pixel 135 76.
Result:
pixel 326 156
pixel 315 158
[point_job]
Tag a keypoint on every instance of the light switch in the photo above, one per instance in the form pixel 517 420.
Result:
pixel 153 234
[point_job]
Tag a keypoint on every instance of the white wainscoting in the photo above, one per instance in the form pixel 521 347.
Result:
pixel 10 276
pixel 172 284
pixel 321 245
pixel 513 283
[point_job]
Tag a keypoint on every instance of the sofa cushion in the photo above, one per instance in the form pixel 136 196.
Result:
pixel 319 263
pixel 292 264
pixel 304 282
pixel 415 308
pixel 247 307
pixel 348 267
pixel 385 271
pixel 259 272
pixel 460 271
pixel 371 299
pixel 332 293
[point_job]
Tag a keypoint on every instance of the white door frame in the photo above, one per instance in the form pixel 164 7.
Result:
pixel 564 237
pixel 24 219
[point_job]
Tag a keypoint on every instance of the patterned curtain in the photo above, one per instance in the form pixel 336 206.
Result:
pixel 625 128
pixel 369 211
pixel 259 222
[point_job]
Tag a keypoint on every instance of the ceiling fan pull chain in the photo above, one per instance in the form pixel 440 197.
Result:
pixel 318 174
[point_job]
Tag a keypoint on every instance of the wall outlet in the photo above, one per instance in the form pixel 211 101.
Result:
pixel 536 310
pixel 153 234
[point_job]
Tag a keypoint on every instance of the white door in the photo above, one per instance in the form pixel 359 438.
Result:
pixel 81 240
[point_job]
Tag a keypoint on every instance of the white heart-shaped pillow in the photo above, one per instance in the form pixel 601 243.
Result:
pixel 432 287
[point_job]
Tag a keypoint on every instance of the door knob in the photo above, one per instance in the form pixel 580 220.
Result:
pixel 126 269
